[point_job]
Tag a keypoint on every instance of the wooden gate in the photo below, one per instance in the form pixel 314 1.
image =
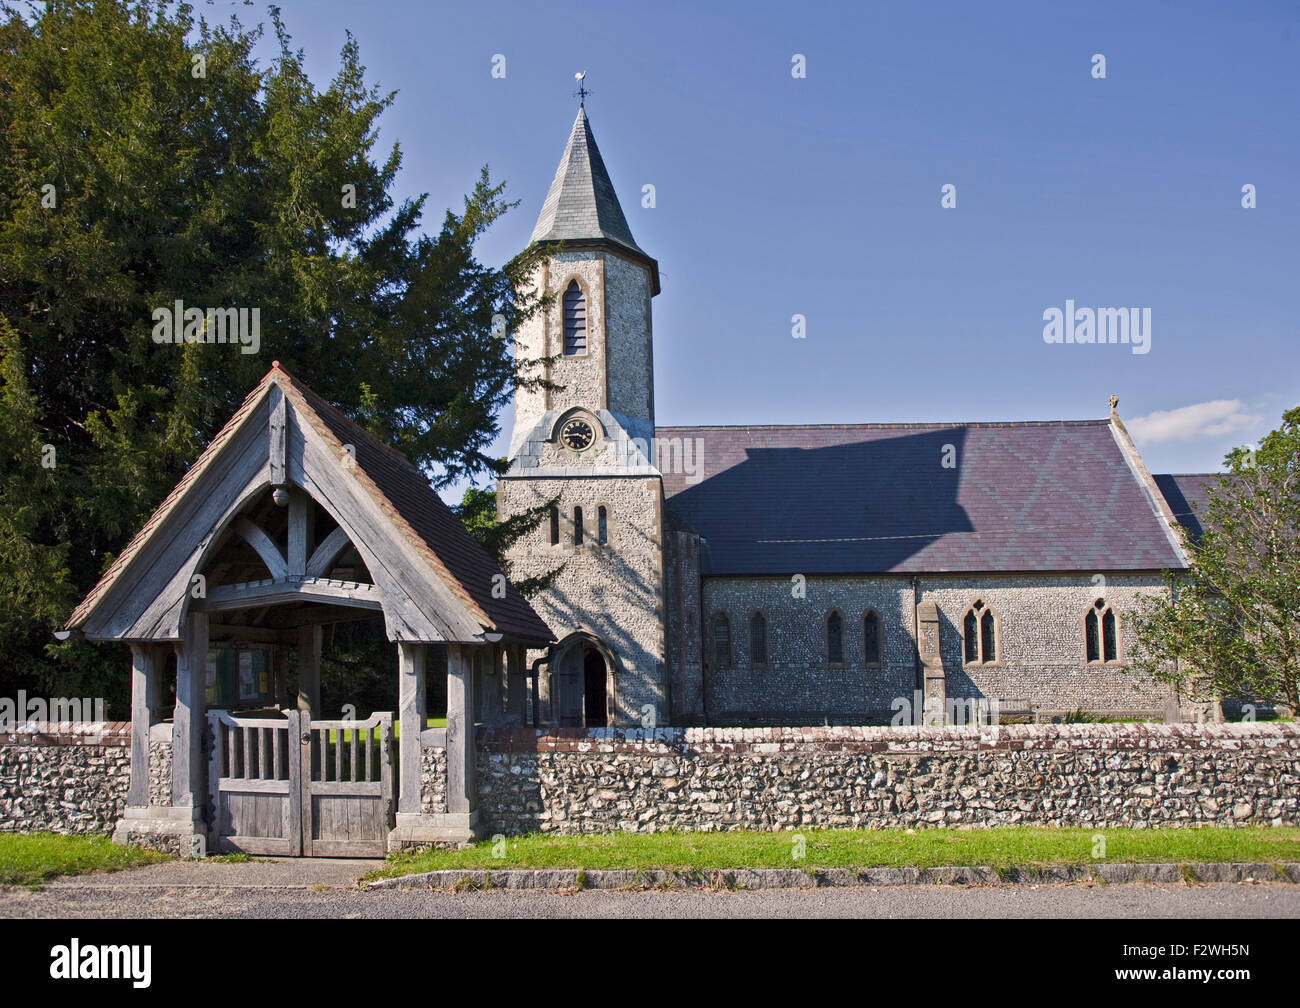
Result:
pixel 255 784
pixel 290 787
pixel 347 797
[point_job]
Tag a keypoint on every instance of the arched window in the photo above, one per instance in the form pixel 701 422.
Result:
pixel 758 639
pixel 602 525
pixel 835 638
pixel 575 320
pixel 577 526
pixel 555 525
pixel 979 633
pixel 1101 633
pixel 721 640
pixel 871 638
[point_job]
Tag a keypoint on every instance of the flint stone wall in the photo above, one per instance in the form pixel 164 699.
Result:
pixel 718 779
pixel 66 778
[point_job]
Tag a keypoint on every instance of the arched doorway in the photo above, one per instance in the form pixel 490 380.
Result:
pixel 595 705
pixel 583 688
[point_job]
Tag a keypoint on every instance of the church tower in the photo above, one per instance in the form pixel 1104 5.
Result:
pixel 586 445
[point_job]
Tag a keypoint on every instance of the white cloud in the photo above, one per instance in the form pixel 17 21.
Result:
pixel 1200 420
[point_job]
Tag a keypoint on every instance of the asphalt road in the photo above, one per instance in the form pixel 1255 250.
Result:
pixel 326 889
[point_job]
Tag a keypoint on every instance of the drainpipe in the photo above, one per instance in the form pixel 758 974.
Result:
pixel 916 637
pixel 534 673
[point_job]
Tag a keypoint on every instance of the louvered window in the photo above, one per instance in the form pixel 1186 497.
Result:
pixel 575 321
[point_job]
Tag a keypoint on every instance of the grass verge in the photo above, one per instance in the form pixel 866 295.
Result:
pixel 999 848
pixel 31 858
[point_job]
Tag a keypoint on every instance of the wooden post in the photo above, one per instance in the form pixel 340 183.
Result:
pixel 411 716
pixel 146 669
pixel 189 723
pixel 301 513
pixel 309 646
pixel 462 790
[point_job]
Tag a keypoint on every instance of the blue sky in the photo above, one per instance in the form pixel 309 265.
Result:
pixel 820 196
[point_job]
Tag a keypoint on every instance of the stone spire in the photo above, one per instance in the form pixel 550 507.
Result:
pixel 581 208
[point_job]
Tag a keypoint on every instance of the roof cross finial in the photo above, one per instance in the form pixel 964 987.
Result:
pixel 582 92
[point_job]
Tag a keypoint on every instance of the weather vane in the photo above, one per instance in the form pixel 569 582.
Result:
pixel 582 92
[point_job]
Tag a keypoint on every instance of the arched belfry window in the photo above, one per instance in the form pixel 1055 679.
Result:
pixel 721 640
pixel 602 525
pixel 758 639
pixel 979 635
pixel 575 320
pixel 835 638
pixel 871 638
pixel 577 526
pixel 555 525
pixel 1101 633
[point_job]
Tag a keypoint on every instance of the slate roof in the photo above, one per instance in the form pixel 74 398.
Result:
pixel 581 205
pixel 875 498
pixel 465 566
pixel 402 492
pixel 1187 497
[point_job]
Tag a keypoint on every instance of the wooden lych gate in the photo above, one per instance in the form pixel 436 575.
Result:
pixel 292 521
pixel 290 786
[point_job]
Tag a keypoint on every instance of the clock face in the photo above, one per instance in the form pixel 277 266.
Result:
pixel 577 435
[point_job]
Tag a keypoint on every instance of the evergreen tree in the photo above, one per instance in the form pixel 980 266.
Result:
pixel 146 158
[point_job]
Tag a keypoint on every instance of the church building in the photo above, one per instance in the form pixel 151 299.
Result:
pixel 808 574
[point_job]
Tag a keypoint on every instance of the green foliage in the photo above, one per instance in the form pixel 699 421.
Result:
pixel 1231 626
pixel 223 190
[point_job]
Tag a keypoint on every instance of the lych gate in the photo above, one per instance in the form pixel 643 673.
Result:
pixel 293 520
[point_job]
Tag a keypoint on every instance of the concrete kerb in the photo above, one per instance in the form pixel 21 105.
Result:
pixel 812 878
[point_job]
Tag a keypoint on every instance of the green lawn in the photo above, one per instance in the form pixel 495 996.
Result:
pixel 1001 847
pixel 31 858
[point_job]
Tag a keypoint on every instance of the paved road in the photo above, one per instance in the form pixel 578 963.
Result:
pixel 326 889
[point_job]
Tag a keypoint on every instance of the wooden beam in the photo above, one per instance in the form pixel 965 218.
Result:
pixel 265 547
pixel 146 667
pixel 277 430
pixel 410 711
pixel 327 552
pixel 309 648
pixel 252 634
pixel 462 790
pixel 188 721
pixel 277 592
pixel 301 514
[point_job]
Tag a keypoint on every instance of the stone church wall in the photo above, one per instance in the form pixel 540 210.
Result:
pixel 1040 646
pixel 613 591
pixel 720 779
pixel 627 337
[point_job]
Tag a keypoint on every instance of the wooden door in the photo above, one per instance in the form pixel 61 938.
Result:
pixel 347 795
pixel 255 783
